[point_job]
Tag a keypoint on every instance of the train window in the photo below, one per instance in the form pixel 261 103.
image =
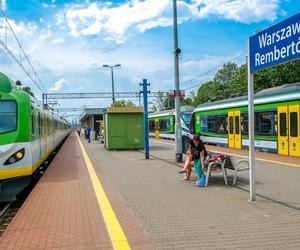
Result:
pixel 282 120
pixel 32 125
pixel 39 123
pixel 237 124
pixel 186 118
pixel 245 125
pixel 192 124
pixel 151 125
pixel 211 124
pixel 294 124
pixel 8 116
pixel 164 124
pixel 221 126
pixel 231 125
pixel 264 123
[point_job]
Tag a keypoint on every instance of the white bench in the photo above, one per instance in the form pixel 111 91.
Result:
pixel 222 166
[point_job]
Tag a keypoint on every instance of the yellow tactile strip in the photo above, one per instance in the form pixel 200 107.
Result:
pixel 113 226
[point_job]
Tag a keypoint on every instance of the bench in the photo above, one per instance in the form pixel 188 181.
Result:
pixel 228 164
pixel 216 167
pixel 221 166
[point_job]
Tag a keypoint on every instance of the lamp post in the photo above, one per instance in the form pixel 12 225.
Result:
pixel 112 78
pixel 177 51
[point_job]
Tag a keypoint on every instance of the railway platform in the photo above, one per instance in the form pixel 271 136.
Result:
pixel 68 209
pixel 154 209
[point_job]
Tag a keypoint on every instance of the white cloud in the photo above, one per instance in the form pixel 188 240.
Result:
pixel 118 22
pixel 3 4
pixel 58 85
pixel 46 5
pixel 58 40
pixel 244 11
pixel 58 48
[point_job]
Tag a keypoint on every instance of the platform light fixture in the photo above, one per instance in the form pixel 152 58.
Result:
pixel 112 78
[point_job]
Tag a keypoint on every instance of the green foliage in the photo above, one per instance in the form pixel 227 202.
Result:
pixel 232 80
pixel 124 103
pixel 224 77
pixel 168 103
pixel 188 101
pixel 208 91
pixel 282 74
pixel 161 102
pixel 239 84
pixel 28 90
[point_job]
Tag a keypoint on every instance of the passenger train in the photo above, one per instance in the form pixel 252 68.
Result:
pixel 162 124
pixel 277 121
pixel 28 134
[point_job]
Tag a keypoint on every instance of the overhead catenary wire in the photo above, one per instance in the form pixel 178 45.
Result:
pixel 34 78
pixel 209 71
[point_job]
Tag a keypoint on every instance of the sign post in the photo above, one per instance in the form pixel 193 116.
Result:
pixel 145 85
pixel 278 44
pixel 251 128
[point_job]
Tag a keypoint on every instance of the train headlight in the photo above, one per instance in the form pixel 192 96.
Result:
pixel 19 155
pixel 11 160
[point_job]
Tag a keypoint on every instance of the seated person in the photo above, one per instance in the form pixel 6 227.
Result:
pixel 195 157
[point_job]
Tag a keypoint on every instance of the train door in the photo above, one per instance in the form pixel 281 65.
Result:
pixel 294 130
pixel 283 130
pixel 45 133
pixel 234 129
pixel 231 139
pixel 156 128
pixel 237 130
pixel 40 135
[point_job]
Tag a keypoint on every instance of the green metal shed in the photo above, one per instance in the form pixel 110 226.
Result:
pixel 123 128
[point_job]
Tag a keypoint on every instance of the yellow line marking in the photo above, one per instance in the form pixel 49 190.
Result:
pixel 116 234
pixel 244 156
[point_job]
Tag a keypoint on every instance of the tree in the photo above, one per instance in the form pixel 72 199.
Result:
pixel 124 103
pixel 281 74
pixel 188 101
pixel 160 102
pixel 225 75
pixel 28 90
pixel 207 91
pixel 168 103
pixel 239 81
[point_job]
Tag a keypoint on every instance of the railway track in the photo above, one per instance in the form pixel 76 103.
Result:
pixel 3 209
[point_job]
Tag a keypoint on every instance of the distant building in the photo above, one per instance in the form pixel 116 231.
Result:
pixel 92 117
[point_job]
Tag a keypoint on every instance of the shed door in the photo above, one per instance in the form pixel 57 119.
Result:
pixel 283 130
pixel 294 130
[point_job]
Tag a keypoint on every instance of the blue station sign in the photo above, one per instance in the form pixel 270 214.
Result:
pixel 278 44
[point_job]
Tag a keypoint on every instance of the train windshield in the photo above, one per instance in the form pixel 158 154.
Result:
pixel 187 118
pixel 8 116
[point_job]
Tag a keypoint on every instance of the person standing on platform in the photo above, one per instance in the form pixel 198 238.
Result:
pixel 88 134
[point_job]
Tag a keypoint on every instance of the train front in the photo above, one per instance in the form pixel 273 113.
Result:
pixel 186 116
pixel 15 159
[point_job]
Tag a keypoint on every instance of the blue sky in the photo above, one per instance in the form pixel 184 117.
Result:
pixel 67 41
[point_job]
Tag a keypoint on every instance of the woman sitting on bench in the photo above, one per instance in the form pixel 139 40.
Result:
pixel 195 157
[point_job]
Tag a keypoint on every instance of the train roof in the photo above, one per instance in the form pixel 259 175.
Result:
pixel 6 84
pixel 188 109
pixel 287 92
